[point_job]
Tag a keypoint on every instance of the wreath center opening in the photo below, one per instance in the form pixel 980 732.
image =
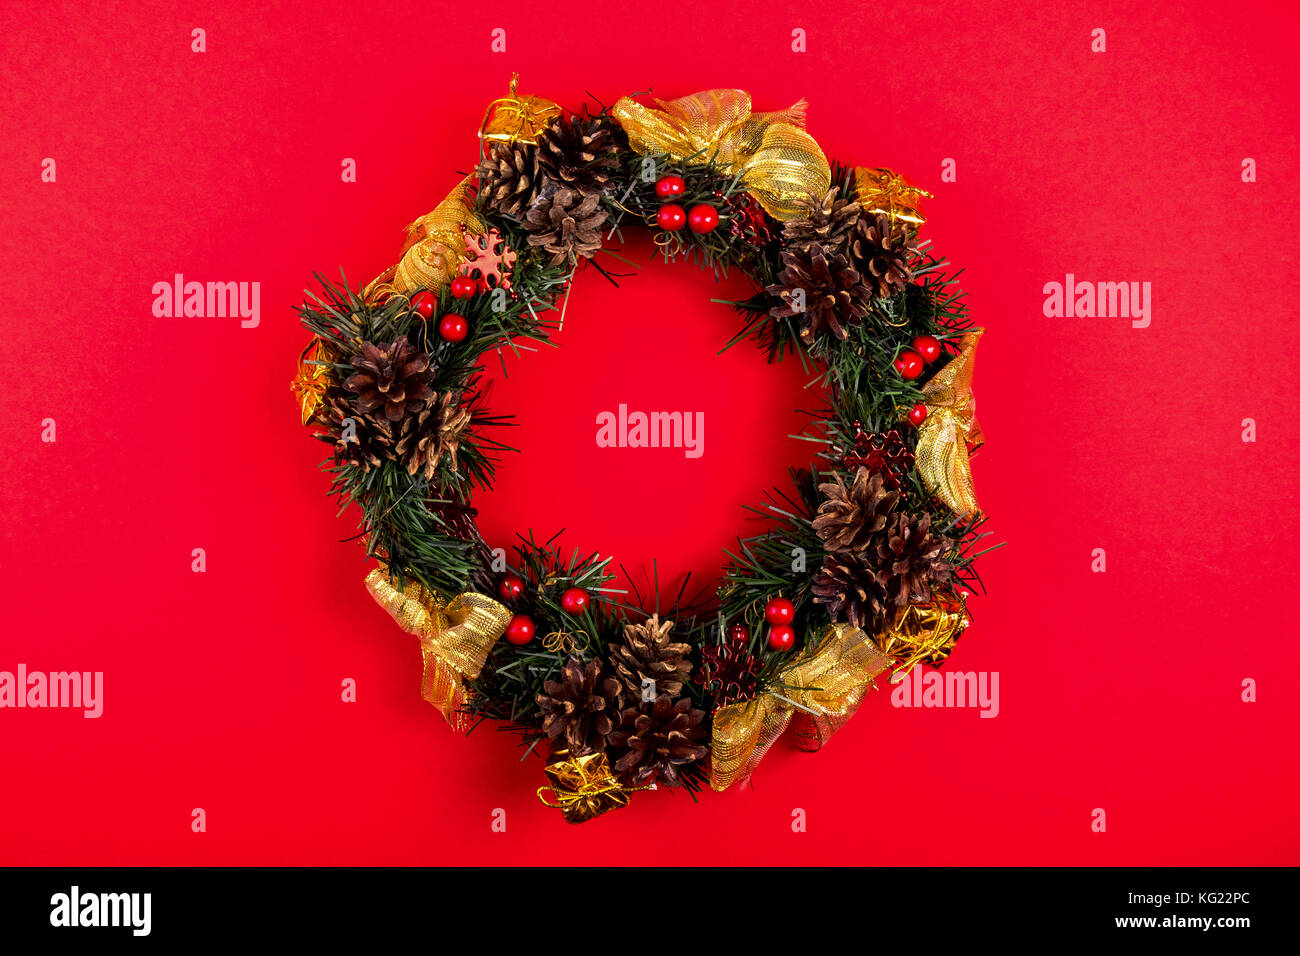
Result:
pixel 636 433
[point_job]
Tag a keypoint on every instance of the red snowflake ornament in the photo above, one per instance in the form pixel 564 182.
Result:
pixel 884 453
pixel 488 260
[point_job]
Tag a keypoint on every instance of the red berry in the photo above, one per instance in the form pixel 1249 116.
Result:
pixel 453 327
pixel 424 303
pixel 462 287
pixel 671 217
pixel 574 601
pixel 703 219
pixel 670 186
pixel 909 364
pixel 521 629
pixel 780 637
pixel 928 347
pixel 511 587
pixel 916 414
pixel 779 610
pixel 738 632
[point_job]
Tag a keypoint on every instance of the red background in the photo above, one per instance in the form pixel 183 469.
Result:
pixel 1119 690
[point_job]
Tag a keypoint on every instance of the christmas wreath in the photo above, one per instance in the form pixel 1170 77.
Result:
pixel 864 567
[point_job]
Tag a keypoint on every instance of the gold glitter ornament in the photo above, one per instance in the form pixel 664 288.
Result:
pixel 583 787
pixel 924 633
pixel 517 119
pixel 884 191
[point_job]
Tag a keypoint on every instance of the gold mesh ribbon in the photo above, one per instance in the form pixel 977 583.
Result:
pixel 884 191
pixel 455 637
pixel 778 161
pixel 309 384
pixel 515 118
pixel 824 689
pixel 435 244
pixel 583 787
pixel 950 432
pixel 924 633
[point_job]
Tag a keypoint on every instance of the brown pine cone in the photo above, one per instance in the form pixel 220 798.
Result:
pixel 846 584
pixel 827 224
pixel 578 153
pixel 581 707
pixel 391 380
pixel 427 436
pixel 833 294
pixel 910 559
pixel 647 651
pixel 883 252
pixel 850 516
pixel 655 739
pixel 507 178
pixel 356 442
pixel 565 224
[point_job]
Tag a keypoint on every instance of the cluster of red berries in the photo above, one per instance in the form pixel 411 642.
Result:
pixel 521 628
pixel 452 326
pixel 912 362
pixel 672 217
pixel 779 614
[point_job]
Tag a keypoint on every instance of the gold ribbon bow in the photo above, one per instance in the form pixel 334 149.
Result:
pixel 884 191
pixel 826 688
pixel 779 163
pixel 435 244
pixel 454 637
pixel 583 787
pixel 517 119
pixel 950 431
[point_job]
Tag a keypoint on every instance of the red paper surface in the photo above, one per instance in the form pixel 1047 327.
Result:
pixel 1119 690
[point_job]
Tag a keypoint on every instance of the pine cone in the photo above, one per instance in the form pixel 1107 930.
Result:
pixel 883 252
pixel 426 437
pixel 847 585
pixel 578 153
pixel 648 651
pixel 833 293
pixel 356 444
pixel 850 516
pixel 655 739
pixel 507 178
pixel 565 224
pixel 826 226
pixel 910 559
pixel 392 379
pixel 581 706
